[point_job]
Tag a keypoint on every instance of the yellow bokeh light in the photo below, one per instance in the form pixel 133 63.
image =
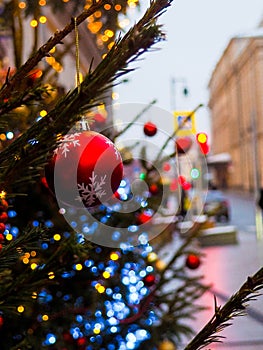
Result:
pixel 96 331
pixel 109 33
pixel 202 137
pixel 42 2
pixel 94 27
pixel 20 308
pixel 57 237
pixel 117 7
pixel 115 96
pixel 51 275
pixel 9 237
pixel 25 260
pixel 106 274
pixel 56 66
pixel 160 265
pixel 2 194
pixel 114 256
pixel 34 23
pixel 42 19
pixel 45 317
pixel 97 14
pixel 104 38
pixel 43 113
pixel 22 5
pixel 152 257
pixel 107 7
pixel 97 285
pixel 33 266
pixel 101 289
pixel 34 295
pixel 78 267
pixel 2 137
pixel 110 45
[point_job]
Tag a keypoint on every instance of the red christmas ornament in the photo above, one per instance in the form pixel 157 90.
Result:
pixel 166 167
pixel 186 186
pixel 86 167
pixel 2 238
pixel 149 280
pixel 3 205
pixel 3 217
pixel 143 217
pixel 150 129
pixel 192 261
pixel 1 321
pixel 153 189
pixel 183 144
pixel 81 341
pixel 181 179
pixel 2 227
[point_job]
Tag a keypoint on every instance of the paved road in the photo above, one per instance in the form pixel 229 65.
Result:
pixel 242 208
pixel 227 267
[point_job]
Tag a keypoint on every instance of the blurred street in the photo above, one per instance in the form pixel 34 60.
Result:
pixel 226 268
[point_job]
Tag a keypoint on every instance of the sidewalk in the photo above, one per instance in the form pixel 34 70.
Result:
pixel 227 268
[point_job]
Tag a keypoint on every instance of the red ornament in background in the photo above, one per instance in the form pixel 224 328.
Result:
pixel 192 261
pixel 186 186
pixel 143 217
pixel 2 227
pixel 149 280
pixel 183 144
pixel 150 129
pixel 1 321
pixel 153 189
pixel 166 167
pixel 86 165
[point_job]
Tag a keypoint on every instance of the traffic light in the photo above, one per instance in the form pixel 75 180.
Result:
pixel 202 140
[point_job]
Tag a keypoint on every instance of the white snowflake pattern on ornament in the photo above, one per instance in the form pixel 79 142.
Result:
pixel 90 192
pixel 110 143
pixel 71 139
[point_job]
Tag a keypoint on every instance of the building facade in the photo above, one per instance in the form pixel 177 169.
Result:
pixel 236 107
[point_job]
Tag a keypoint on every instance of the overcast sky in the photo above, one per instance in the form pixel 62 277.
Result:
pixel 198 31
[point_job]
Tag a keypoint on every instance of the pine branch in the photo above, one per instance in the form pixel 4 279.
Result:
pixel 10 86
pixel 234 307
pixel 20 156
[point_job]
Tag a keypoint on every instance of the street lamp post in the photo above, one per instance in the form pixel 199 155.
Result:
pixel 175 81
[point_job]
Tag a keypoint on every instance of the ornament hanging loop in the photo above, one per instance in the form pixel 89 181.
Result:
pixel 83 123
pixel 77 54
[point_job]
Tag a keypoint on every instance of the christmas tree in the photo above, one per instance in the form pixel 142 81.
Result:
pixel 80 236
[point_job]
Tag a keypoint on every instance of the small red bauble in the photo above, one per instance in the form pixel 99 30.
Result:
pixel 2 227
pixel 192 261
pixel 149 280
pixel 150 129
pixel 1 321
pixel 166 167
pixel 153 189
pixel 186 186
pixel 183 144
pixel 85 167
pixel 2 238
pixel 3 217
pixel 3 205
pixel 81 341
pixel 143 217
